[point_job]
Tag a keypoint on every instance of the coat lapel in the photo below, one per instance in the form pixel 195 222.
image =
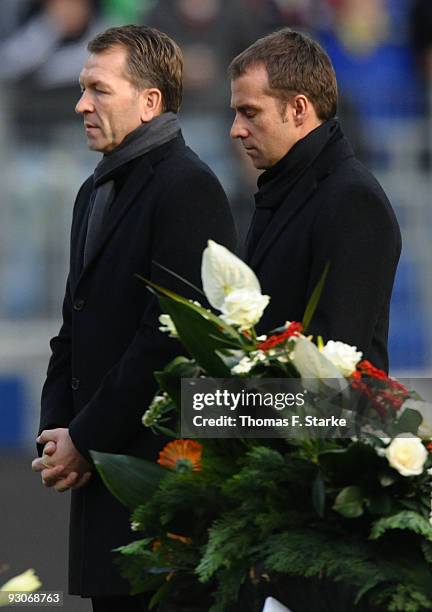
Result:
pixel 298 196
pixel 140 175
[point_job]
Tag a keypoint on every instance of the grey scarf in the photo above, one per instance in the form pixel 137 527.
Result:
pixel 145 138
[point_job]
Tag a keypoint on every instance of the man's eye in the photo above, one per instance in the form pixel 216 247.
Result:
pixel 250 114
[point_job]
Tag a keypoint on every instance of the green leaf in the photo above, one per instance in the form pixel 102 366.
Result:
pixel 380 504
pixel 131 480
pixel 228 329
pixel 405 520
pixel 426 547
pixel 169 379
pixel 195 331
pixel 160 594
pixel 315 298
pixel 409 421
pixel 179 277
pixel 349 464
pixel 349 502
pixel 318 495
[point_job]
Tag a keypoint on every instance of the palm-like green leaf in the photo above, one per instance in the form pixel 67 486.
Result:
pixel 199 335
pixel 133 481
pixel 315 298
pixel 207 314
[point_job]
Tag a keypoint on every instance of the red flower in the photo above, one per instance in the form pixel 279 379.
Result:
pixel 359 385
pixel 293 329
pixel 395 401
pixel 368 369
pixel 398 387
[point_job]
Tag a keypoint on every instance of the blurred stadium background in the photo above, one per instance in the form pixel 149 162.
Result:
pixel 382 53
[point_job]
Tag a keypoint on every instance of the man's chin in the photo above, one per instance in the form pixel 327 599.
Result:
pixel 259 164
pixel 95 146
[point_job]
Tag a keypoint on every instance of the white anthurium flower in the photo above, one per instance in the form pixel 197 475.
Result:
pixel 27 581
pixel 343 356
pixel 273 605
pixel 311 364
pixel 407 454
pixel 243 307
pixel 222 272
pixel 425 408
pixel 425 431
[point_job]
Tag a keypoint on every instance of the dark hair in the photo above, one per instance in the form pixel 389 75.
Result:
pixel 295 64
pixel 154 60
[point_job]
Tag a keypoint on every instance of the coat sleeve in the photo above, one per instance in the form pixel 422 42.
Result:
pixel 57 399
pixel 358 235
pixel 193 210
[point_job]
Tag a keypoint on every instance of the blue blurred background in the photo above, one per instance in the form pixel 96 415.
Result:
pixel 382 53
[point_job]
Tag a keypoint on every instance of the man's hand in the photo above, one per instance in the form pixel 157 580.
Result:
pixel 61 465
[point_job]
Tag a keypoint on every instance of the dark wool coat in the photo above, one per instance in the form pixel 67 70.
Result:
pixel 337 213
pixel 100 376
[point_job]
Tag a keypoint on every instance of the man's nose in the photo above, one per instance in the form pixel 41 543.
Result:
pixel 238 130
pixel 84 104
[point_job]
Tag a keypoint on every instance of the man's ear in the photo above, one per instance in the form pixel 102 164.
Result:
pixel 300 109
pixel 151 104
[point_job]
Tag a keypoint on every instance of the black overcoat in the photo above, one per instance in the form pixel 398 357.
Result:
pixel 100 376
pixel 337 213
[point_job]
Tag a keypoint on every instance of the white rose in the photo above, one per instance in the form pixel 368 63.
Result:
pixel 244 307
pixel 407 455
pixel 167 325
pixel 27 581
pixel 222 272
pixel 311 363
pixel 343 356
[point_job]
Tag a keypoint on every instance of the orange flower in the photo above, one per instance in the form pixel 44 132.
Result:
pixel 180 538
pixel 181 455
pixel 156 544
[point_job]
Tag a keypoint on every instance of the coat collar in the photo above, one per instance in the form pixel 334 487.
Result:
pixel 299 195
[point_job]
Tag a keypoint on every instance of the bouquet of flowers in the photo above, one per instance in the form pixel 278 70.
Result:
pixel 223 517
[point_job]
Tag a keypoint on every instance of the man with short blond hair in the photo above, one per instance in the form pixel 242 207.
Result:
pixel 151 205
pixel 316 203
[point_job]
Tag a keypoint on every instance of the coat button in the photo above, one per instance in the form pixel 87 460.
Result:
pixel 79 304
pixel 75 383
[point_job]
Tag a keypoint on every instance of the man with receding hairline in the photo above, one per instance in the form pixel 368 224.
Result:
pixel 316 203
pixel 150 201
